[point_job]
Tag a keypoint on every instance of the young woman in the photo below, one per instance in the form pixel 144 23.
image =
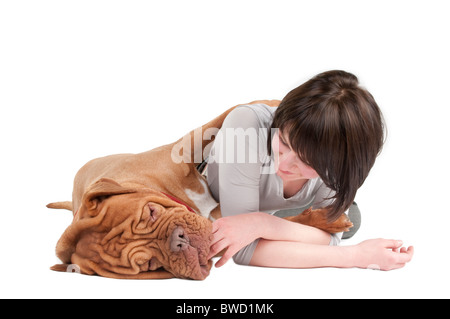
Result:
pixel 321 143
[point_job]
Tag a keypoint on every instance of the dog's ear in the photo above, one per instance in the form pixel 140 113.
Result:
pixel 85 218
pixel 66 245
pixel 101 190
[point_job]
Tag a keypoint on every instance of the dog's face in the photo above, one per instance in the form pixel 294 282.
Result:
pixel 136 233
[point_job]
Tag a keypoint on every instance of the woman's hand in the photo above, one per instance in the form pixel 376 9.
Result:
pixel 233 233
pixel 382 254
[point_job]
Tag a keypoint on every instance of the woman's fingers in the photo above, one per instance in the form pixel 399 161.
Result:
pixel 402 257
pixel 219 242
pixel 215 226
pixel 392 243
pixel 405 255
pixel 226 256
pixel 216 237
pixel 217 248
pixel 217 245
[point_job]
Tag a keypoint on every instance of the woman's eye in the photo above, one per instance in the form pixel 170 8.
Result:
pixel 283 142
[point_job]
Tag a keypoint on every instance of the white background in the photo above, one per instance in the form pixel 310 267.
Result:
pixel 83 79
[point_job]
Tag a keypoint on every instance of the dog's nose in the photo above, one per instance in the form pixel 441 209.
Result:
pixel 179 241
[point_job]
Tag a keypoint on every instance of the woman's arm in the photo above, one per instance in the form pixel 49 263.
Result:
pixel 382 254
pixel 276 228
pixel 290 245
pixel 236 232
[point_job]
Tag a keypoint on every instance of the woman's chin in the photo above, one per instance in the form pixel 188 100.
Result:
pixel 288 176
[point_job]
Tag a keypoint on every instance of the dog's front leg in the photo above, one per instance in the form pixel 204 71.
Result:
pixel 318 218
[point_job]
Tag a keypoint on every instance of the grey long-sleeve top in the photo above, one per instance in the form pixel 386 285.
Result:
pixel 241 174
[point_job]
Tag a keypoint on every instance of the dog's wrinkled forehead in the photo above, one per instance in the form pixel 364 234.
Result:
pixel 109 193
pixel 142 207
pixel 142 215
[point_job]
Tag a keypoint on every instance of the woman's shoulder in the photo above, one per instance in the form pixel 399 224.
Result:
pixel 251 115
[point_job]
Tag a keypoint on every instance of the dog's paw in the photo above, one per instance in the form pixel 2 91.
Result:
pixel 318 218
pixel 342 224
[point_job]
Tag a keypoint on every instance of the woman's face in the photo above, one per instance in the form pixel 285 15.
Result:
pixel 288 165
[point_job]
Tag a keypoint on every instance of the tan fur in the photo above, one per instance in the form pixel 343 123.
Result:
pixel 124 225
pixel 319 218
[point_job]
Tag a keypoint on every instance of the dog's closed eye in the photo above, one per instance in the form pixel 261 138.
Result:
pixel 153 212
pixel 150 214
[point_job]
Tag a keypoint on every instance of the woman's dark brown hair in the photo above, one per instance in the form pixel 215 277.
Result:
pixel 336 127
